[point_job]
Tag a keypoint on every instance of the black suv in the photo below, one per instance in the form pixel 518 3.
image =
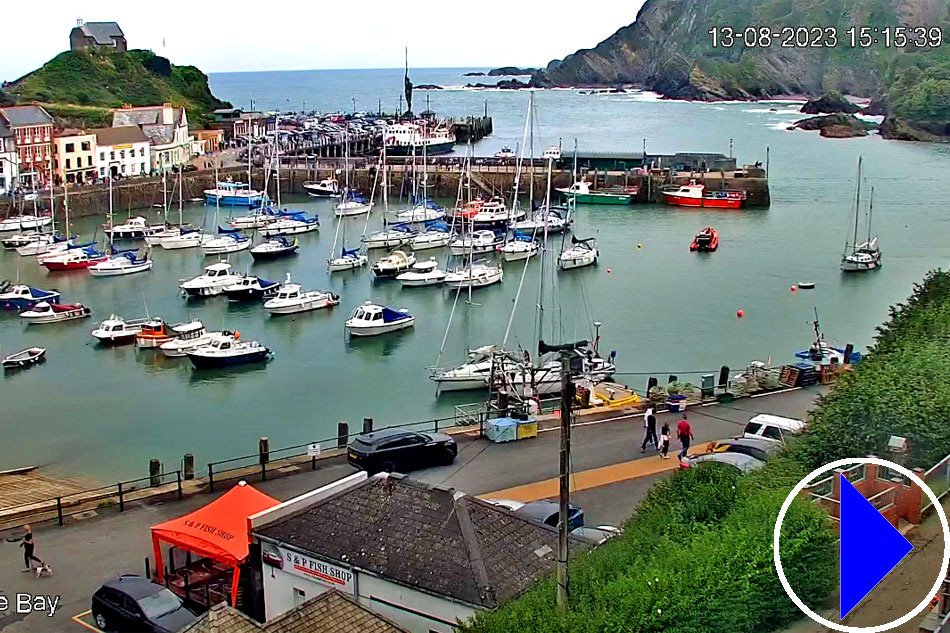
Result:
pixel 395 450
pixel 130 604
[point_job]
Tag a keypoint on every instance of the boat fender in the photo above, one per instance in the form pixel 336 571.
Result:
pixel 793 288
pixel 237 335
pixel 740 313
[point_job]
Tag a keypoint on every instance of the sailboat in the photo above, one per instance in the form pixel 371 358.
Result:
pixel 120 262
pixel 866 255
pixel 229 240
pixel 182 236
pixel 352 258
pixel 352 202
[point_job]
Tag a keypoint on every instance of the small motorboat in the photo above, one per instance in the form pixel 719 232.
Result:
pixel 435 235
pixel 695 195
pixel 478 243
pixel 154 333
pixel 235 194
pixel 353 203
pixel 393 236
pixel 229 240
pixel 420 212
pixel 293 299
pixel 706 240
pixel 520 248
pixel 393 264
pixel 44 312
pixel 22 297
pixel 505 152
pixel 136 228
pixel 554 221
pixel 251 288
pixel 188 336
pixel 806 285
pixel 349 259
pixel 257 219
pixel 291 224
pixel 122 263
pixel 21 239
pixel 185 238
pixel 75 259
pixel 582 253
pixel 477 275
pixel 494 214
pixel 372 320
pixel 278 246
pixel 24 222
pixel 25 358
pixel 552 153
pixel 226 349
pixel 212 281
pixel 425 273
pixel 115 330
pixel 326 188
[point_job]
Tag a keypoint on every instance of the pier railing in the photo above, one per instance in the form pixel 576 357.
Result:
pixel 81 502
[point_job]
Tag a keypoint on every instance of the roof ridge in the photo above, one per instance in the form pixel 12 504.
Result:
pixel 472 545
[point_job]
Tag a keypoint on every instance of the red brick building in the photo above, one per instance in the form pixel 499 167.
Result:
pixel 32 129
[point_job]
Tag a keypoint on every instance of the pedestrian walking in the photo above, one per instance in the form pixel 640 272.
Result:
pixel 27 544
pixel 684 432
pixel 665 441
pixel 649 432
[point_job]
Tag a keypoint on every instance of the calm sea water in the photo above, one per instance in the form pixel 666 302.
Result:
pixel 103 412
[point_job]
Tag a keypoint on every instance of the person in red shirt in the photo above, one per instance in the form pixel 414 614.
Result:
pixel 685 434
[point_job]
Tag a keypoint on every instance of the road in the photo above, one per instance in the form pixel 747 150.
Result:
pixel 85 554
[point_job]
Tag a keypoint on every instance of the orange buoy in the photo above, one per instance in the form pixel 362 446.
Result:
pixel 794 288
pixel 237 335
pixel 740 313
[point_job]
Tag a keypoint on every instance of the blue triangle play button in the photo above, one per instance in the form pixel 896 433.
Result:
pixel 870 547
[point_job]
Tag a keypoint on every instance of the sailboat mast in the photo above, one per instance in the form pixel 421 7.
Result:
pixel 52 198
pixel 180 221
pixel 870 212
pixel 857 206
pixel 277 152
pixel 531 134
pixel 111 221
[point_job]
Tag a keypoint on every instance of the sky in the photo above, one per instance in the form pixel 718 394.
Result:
pixel 311 34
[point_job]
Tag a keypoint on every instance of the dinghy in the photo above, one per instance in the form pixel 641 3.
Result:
pixel 25 358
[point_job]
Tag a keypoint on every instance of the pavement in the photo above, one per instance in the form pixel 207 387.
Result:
pixel 610 476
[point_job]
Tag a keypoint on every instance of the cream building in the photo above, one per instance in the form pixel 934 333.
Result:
pixel 74 158
pixel 167 129
pixel 123 151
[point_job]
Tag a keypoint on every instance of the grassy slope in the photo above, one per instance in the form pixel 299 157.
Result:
pixel 109 80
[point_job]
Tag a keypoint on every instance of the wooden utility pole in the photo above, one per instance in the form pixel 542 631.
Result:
pixel 564 482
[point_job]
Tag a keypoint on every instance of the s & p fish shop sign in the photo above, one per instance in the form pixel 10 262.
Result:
pixel 311 568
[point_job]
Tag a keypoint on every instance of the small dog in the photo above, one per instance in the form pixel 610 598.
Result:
pixel 44 570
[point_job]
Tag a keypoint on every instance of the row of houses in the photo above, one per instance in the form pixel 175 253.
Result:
pixel 142 140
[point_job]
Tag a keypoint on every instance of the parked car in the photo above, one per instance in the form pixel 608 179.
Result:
pixel 773 427
pixel 595 535
pixel 759 447
pixel 395 450
pixel 739 461
pixel 130 604
pixel 547 512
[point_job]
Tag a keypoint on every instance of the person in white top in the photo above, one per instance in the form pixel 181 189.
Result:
pixel 649 430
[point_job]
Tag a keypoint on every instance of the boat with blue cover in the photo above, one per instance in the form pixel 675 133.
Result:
pixel 251 288
pixel 229 240
pixel 349 259
pixel 122 262
pixel 390 237
pixel 235 194
pixel 353 203
pixel 422 210
pixel 372 320
pixel 277 246
pixel 226 349
pixel 23 297
pixel 435 234
pixel 520 247
pixel 291 223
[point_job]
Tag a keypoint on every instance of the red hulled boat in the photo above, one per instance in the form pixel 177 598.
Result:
pixel 75 259
pixel 705 240
pixel 695 195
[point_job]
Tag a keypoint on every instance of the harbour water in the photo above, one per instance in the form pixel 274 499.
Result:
pixel 103 412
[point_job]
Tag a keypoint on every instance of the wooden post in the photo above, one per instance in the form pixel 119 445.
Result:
pixel 367 425
pixel 189 466
pixel 564 486
pixel 342 434
pixel 264 449
pixel 154 472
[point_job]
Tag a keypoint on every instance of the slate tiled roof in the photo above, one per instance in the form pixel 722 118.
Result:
pixel 330 612
pixel 4 130
pixel 125 135
pixel 150 119
pixel 102 32
pixel 431 538
pixel 26 115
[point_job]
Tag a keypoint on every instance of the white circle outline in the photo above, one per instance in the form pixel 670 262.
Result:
pixel 801 486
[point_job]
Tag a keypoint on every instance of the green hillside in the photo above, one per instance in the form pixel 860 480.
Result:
pixel 109 80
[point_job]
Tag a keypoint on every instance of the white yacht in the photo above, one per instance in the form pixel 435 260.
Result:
pixel 477 275
pixel 474 373
pixel 353 203
pixel 477 243
pixel 228 241
pixel 188 336
pixel 424 273
pixel 520 248
pixel 536 225
pixel 292 299
pixel 44 312
pixel 24 222
pixel 136 228
pixel 372 320
pixel 326 188
pixel 291 224
pixel 212 281
pixel 115 330
pixel 259 218
pixel 581 253
pixel 122 263
pixel 424 211
pixel 185 238
pixel 391 237
pixel 434 235
pixel 349 259
pixel 393 264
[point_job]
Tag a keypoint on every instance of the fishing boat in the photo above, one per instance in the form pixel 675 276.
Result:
pixel 474 373
pixel 291 223
pixel 372 320
pixel 251 288
pixel 552 153
pixel 293 299
pixel 822 352
pixel 476 275
pixel 421 211
pixel 188 336
pixel 24 222
pixel 115 330
pixel 326 188
pixel 552 221
pixel 154 333
pixel 393 264
pixel 229 240
pixel 75 259
pixel 26 358
pixel 434 235
pixel 706 240
pixel 505 152
pixel 212 281
pixel 864 256
pixel 582 192
pixel 235 194
pixel 126 262
pixel 425 273
pixel 695 195
pixel 352 203
pixel 520 247
pixel 581 253
pixel 277 246
pixel 477 243
pixel 136 228
pixel 22 297
pixel 393 236
pixel 44 312
pixel 349 259
pixel 226 349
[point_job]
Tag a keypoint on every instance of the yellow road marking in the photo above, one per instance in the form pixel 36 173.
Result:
pixel 587 479
pixel 78 620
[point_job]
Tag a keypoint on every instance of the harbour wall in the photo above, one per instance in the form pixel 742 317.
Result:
pixel 442 178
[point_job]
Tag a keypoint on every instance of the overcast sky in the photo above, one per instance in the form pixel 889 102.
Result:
pixel 243 35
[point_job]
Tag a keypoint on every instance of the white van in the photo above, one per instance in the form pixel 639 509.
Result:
pixel 773 427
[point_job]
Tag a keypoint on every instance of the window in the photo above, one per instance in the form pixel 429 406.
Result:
pixel 142 168
pixel 70 148
pixel 122 154
pixel 102 156
pixel 773 433
pixel 67 163
pixel 300 596
pixel 123 168
pixel 85 146
pixel 141 151
pixel 102 171
pixel 112 155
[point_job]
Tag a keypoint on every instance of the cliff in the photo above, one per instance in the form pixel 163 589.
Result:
pixel 83 87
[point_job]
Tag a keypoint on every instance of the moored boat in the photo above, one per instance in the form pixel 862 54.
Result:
pixel 21 239
pixel 390 237
pixel 115 330
pixel 521 247
pixel 293 299
pixel 153 333
pixel 581 253
pixel 24 222
pixel 291 223
pixel 695 195
pixel 407 139
pixel 260 217
pixel 251 288
pixel 75 259
pixel 421 211
pixel 582 192
pixel 706 240
pixel 186 237
pixel 212 281
pixel 352 203
pixel 44 312
pixel 235 194
pixel 349 259
pixel 188 336
pixel 393 264
pixel 435 235
pixel 25 358
pixel 226 349
pixel 136 228
pixel 229 240
pixel 23 297
pixel 474 373
pixel 477 243
pixel 278 246
pixel 477 275
pixel 372 320
pixel 866 255
pixel 425 273
pixel 122 263
pixel 45 243
pixel 326 188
